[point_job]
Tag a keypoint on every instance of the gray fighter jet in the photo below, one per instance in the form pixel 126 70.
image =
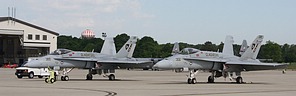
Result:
pixel 108 48
pixel 219 64
pixel 97 63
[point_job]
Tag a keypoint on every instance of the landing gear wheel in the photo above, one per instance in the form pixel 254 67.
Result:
pixel 111 77
pixel 239 80
pixel 89 77
pixel 52 80
pixel 66 78
pixel 46 80
pixel 211 79
pixel 31 75
pixel 193 81
pixel 189 81
pixel 55 76
pixel 62 78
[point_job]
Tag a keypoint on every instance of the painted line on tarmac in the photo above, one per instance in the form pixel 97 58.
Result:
pixel 225 93
pixel 109 93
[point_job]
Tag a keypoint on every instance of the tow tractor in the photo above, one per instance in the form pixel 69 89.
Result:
pixel 52 76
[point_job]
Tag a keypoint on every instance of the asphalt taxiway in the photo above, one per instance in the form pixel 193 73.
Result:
pixel 150 83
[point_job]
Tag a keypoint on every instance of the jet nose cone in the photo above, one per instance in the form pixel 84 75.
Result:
pixel 163 64
pixel 32 63
pixel 155 66
pixel 25 65
pixel 29 64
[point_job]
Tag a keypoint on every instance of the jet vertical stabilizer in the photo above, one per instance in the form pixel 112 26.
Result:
pixel 253 50
pixel 228 47
pixel 108 47
pixel 128 48
pixel 176 49
pixel 243 48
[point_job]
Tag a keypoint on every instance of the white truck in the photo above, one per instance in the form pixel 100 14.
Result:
pixel 31 72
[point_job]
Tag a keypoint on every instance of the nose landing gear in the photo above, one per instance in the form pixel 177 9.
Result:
pixel 191 77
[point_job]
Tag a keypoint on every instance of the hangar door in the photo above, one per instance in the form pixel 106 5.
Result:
pixel 10 45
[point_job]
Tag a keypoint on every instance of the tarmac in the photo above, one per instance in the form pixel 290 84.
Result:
pixel 150 83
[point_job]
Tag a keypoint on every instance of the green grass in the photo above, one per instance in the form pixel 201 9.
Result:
pixel 292 66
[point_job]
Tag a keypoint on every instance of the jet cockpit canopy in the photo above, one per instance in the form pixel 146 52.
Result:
pixel 60 51
pixel 189 51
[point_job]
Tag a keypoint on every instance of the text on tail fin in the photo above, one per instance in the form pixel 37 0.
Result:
pixel 128 48
pixel 253 50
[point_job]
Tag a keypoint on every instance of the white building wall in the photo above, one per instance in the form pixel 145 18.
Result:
pixel 51 41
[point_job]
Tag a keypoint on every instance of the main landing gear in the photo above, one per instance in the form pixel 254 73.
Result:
pixel 239 79
pixel 111 77
pixel 211 78
pixel 89 77
pixel 191 78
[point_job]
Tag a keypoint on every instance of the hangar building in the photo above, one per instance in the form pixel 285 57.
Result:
pixel 20 40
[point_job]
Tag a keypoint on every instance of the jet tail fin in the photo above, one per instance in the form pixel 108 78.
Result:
pixel 176 49
pixel 253 50
pixel 228 46
pixel 128 48
pixel 243 48
pixel 108 47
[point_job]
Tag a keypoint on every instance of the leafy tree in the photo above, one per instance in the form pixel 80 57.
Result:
pixel 77 44
pixel 236 49
pixel 68 42
pixel 119 40
pixel 147 47
pixel 208 46
pixel 166 50
pixel 272 51
pixel 89 47
pixel 289 53
pixel 220 47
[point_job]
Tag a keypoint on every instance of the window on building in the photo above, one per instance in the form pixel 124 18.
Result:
pixel 37 37
pixel 30 36
pixel 44 37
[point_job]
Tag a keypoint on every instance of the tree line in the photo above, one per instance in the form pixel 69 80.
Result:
pixel 147 47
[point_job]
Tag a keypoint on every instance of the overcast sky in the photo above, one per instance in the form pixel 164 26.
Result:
pixel 167 21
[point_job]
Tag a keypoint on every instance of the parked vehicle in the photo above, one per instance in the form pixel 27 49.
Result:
pixel 10 65
pixel 31 72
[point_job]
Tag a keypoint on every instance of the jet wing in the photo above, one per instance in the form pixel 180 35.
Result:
pixel 240 66
pixel 253 63
pixel 207 59
pixel 253 66
pixel 77 59
pixel 104 61
pixel 108 64
pixel 123 62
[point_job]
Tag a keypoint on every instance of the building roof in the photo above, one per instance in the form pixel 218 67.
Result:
pixel 28 24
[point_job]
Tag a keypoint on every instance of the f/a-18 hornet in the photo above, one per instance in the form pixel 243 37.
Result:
pixel 103 63
pixel 219 64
